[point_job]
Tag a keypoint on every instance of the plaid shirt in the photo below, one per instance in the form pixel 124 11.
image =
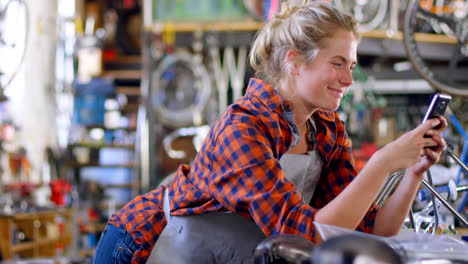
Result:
pixel 237 169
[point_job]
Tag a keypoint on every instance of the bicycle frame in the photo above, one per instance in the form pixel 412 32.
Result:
pixel 463 158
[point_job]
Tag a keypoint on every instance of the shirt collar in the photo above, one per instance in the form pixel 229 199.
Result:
pixel 273 100
pixel 265 92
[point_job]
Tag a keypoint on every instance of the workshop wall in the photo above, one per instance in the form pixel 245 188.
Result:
pixel 32 94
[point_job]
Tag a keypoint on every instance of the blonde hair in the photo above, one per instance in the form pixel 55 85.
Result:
pixel 301 28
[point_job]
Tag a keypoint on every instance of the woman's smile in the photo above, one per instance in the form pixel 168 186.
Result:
pixel 338 92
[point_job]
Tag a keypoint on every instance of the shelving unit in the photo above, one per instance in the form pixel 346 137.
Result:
pixel 112 164
pixel 125 73
pixel 43 233
pixel 375 43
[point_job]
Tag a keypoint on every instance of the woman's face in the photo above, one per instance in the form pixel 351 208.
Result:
pixel 323 82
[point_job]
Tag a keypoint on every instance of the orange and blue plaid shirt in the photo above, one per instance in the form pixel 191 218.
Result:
pixel 238 170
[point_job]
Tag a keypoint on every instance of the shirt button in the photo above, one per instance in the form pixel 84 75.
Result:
pixel 120 248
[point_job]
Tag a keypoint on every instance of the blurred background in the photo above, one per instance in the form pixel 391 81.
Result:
pixel 102 100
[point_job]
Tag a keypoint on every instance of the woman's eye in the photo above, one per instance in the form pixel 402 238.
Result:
pixel 337 64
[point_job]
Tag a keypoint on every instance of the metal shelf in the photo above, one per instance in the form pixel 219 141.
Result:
pixel 410 86
pixel 158 27
pixel 95 164
pixel 242 26
pixel 373 43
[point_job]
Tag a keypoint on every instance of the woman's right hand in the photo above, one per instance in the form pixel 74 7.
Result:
pixel 409 148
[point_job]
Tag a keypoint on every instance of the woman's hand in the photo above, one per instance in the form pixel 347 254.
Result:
pixel 418 153
pixel 431 154
pixel 415 149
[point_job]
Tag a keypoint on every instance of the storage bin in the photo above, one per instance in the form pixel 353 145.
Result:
pixel 89 109
pixel 110 156
pixel 107 175
pixel 89 100
pixel 119 195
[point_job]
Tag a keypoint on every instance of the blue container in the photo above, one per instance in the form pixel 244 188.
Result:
pixel 111 156
pixel 119 195
pixel 107 175
pixel 89 101
pixel 89 109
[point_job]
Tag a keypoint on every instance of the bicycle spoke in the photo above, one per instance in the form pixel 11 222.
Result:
pixel 370 14
pixel 359 12
pixel 422 12
pixel 446 72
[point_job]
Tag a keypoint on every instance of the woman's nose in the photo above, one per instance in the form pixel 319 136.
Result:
pixel 347 77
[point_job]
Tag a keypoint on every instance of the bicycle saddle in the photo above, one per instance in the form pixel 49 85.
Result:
pixel 353 248
pixel 345 249
pixel 284 249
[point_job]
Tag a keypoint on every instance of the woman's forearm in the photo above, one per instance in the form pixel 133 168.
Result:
pixel 350 206
pixel 392 214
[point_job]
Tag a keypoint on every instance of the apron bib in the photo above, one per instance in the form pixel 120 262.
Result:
pixel 226 237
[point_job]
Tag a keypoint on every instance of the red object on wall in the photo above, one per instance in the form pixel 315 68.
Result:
pixel 128 3
pixel 60 189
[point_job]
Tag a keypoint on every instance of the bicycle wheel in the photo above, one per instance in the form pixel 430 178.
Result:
pixel 181 90
pixel 447 76
pixel 14 21
pixel 370 14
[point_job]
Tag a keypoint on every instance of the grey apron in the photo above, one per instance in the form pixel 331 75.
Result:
pixel 226 237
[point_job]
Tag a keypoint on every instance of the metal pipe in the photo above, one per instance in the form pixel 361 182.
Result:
pixel 445 203
pixel 411 218
pixel 434 204
pixel 462 188
pixel 388 186
pixel 462 165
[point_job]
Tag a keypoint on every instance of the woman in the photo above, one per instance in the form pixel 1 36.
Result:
pixel 277 159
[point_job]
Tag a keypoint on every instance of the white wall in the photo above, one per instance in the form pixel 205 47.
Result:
pixel 33 107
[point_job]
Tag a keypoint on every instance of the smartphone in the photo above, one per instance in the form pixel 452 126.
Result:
pixel 438 106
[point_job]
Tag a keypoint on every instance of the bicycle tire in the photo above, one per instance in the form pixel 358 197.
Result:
pixel 175 112
pixel 12 75
pixel 374 20
pixel 419 65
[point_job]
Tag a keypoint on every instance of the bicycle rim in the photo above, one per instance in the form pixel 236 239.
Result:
pixel 445 81
pixel 370 15
pixel 13 38
pixel 181 89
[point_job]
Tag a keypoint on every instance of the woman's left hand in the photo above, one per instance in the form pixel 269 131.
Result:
pixel 431 154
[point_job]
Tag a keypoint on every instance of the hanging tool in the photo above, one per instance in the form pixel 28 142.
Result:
pixel 221 74
pixel 228 71
pixel 236 70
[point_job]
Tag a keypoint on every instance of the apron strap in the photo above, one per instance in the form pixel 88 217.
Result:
pixel 166 204
pixel 311 134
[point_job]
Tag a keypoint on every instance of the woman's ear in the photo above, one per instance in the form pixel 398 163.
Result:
pixel 291 60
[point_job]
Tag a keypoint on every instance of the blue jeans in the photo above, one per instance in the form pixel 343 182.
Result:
pixel 115 246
